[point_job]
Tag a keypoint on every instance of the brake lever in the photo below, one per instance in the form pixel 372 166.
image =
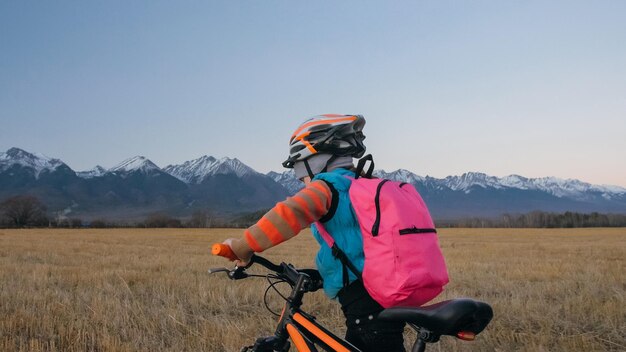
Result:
pixel 238 273
pixel 233 274
pixel 218 270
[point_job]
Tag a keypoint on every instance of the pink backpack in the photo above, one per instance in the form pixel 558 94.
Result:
pixel 403 265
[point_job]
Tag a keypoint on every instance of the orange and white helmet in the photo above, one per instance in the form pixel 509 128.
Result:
pixel 340 135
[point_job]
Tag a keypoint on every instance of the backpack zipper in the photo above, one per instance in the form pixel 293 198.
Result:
pixel 377 203
pixel 414 229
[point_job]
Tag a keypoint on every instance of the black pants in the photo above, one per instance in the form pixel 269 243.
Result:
pixel 365 331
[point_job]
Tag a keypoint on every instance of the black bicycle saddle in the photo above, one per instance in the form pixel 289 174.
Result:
pixel 444 318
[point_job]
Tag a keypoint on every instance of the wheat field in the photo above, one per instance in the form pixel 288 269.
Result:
pixel 148 290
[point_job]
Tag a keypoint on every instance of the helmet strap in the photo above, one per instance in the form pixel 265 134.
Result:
pixel 308 169
pixel 332 158
pixel 361 165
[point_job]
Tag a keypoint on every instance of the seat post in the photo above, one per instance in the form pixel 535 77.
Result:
pixel 423 336
pixel 419 346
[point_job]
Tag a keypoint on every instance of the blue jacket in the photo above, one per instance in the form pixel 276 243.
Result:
pixel 345 230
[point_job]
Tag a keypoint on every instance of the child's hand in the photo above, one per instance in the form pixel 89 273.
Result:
pixel 243 258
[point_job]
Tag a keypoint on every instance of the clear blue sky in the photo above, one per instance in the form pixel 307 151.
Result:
pixel 536 88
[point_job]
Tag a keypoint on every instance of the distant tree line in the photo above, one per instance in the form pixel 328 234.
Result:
pixel 540 219
pixel 28 211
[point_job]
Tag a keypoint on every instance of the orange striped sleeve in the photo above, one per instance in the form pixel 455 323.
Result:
pixel 322 187
pixel 319 205
pixel 288 216
pixel 304 208
pixel 270 230
pixel 252 242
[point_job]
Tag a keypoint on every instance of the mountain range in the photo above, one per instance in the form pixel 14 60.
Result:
pixel 137 187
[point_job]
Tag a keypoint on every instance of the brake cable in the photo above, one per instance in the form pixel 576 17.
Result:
pixel 272 285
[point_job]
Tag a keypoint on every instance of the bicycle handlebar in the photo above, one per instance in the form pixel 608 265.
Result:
pixel 224 250
pixel 286 271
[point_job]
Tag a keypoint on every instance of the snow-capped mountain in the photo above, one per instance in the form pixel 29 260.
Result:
pixel 35 162
pixel 137 186
pixel 288 180
pixel 569 188
pixel 471 179
pixel 195 171
pixel 401 175
pixel 136 163
pixel 572 188
pixel 192 171
pixel 97 171
pixel 229 166
pixel 468 182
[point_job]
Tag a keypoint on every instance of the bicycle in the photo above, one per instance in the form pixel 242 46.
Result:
pixel 463 318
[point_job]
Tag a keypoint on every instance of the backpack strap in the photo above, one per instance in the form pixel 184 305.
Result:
pixel 325 235
pixel 339 254
pixel 334 203
pixel 361 165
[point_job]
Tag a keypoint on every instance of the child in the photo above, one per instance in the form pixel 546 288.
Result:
pixel 321 152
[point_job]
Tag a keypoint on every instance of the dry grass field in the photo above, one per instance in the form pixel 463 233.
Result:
pixel 148 290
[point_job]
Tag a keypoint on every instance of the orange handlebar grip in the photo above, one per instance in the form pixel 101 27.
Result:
pixel 223 250
pixel 466 335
